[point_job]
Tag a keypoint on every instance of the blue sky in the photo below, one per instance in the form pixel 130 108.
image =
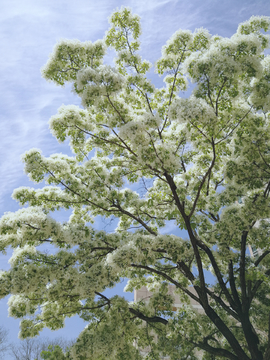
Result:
pixel 30 29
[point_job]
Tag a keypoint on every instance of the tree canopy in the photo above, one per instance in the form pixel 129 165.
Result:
pixel 151 157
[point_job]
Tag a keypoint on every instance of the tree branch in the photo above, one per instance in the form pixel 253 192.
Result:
pixel 242 272
pixel 153 319
pixel 165 276
pixel 232 285
pixel 217 351
pixel 203 180
pixel 261 257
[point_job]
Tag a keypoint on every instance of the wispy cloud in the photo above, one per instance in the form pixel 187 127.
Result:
pixel 29 30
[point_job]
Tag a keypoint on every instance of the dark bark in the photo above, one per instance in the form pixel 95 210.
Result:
pixel 233 286
pixel 251 338
pixel 238 307
pixel 148 319
pixel 267 352
pixel 242 269
pixel 217 351
pixel 226 332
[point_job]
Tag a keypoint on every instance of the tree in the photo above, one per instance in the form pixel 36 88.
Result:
pixel 4 345
pixel 55 353
pixel 203 164
pixel 32 349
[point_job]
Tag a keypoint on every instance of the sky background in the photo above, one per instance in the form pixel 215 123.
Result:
pixel 29 30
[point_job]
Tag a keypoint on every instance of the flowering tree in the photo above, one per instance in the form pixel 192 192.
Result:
pixel 203 162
